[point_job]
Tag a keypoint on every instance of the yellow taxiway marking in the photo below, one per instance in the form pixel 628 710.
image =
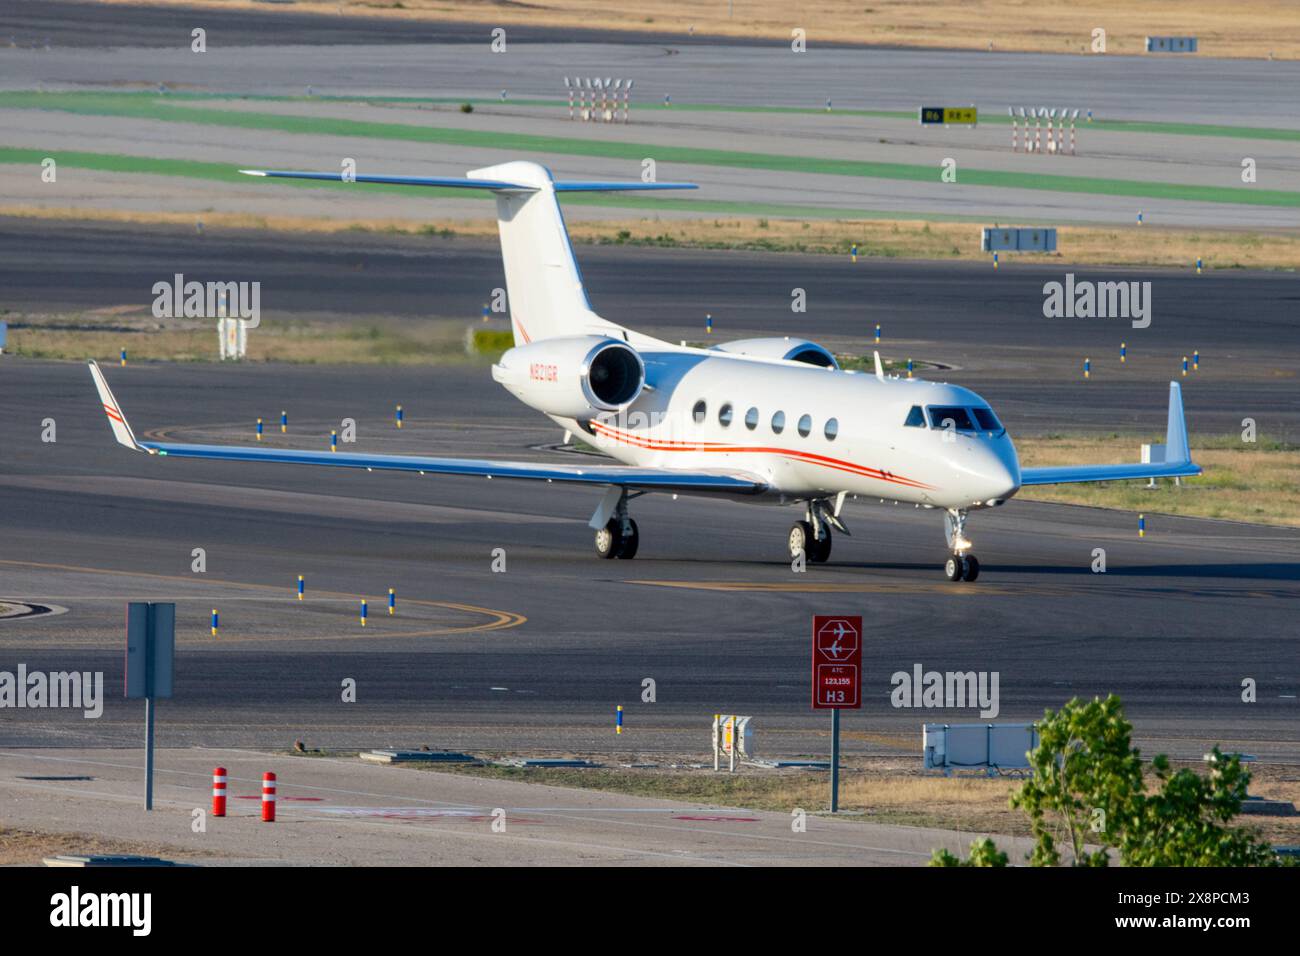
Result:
pixel 812 587
pixel 498 620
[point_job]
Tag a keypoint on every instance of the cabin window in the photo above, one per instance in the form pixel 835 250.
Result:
pixel 832 429
pixel 751 419
pixel 724 415
pixel 941 415
pixel 778 422
pixel 915 418
pixel 701 409
pixel 805 425
pixel 987 420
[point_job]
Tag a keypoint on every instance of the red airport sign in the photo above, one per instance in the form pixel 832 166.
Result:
pixel 836 662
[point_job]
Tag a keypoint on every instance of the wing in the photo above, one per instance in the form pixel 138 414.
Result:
pixel 1177 458
pixel 622 476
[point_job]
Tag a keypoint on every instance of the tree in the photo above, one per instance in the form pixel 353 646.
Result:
pixel 1184 823
pixel 982 853
pixel 1088 788
pixel 1086 783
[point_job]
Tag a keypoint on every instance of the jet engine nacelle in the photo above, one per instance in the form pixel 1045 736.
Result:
pixel 573 376
pixel 792 350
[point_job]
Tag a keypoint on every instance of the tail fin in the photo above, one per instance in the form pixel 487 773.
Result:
pixel 543 282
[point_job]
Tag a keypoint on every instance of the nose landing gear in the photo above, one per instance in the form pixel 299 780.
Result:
pixel 961 565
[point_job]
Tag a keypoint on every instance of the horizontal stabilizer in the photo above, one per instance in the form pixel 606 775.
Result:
pixel 543 282
pixel 460 182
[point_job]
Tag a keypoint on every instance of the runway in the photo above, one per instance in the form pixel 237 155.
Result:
pixel 92 43
pixel 987 326
pixel 536 658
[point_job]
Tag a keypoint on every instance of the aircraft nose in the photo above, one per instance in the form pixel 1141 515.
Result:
pixel 995 473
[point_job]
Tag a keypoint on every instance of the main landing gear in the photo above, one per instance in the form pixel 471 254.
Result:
pixel 961 565
pixel 619 536
pixel 812 536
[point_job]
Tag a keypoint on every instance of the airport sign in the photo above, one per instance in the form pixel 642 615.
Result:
pixel 949 115
pixel 837 662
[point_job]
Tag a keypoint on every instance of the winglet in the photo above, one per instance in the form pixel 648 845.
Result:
pixel 880 369
pixel 1176 447
pixel 116 420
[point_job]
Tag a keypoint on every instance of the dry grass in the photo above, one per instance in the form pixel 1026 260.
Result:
pixel 878 791
pixel 1078 245
pixel 366 342
pixel 1242 482
pixel 1245 28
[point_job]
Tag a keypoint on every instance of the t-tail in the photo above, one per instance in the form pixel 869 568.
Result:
pixel 543 282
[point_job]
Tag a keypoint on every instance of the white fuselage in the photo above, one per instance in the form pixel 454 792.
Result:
pixel 715 411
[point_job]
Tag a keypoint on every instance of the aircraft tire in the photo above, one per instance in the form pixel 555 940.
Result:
pixel 628 543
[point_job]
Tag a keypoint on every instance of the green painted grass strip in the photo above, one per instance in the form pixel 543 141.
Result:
pixel 15 98
pixel 161 108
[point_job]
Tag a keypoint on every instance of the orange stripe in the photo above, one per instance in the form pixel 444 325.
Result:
pixel 114 413
pixel 716 447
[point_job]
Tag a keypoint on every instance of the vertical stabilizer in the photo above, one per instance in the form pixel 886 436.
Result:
pixel 543 282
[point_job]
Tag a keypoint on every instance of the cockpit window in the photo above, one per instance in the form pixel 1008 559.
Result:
pixel 915 418
pixel 942 415
pixel 987 420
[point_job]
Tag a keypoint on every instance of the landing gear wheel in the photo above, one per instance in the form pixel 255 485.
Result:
pixel 628 544
pixel 972 569
pixel 954 568
pixel 609 540
pixel 801 539
pixel 820 551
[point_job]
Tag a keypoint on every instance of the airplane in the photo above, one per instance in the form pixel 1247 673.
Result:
pixel 767 420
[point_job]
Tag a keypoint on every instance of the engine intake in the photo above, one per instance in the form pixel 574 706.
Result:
pixel 791 350
pixel 614 375
pixel 573 376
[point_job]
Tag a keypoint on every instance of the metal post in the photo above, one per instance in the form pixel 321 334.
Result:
pixel 148 753
pixel 717 720
pixel 835 760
